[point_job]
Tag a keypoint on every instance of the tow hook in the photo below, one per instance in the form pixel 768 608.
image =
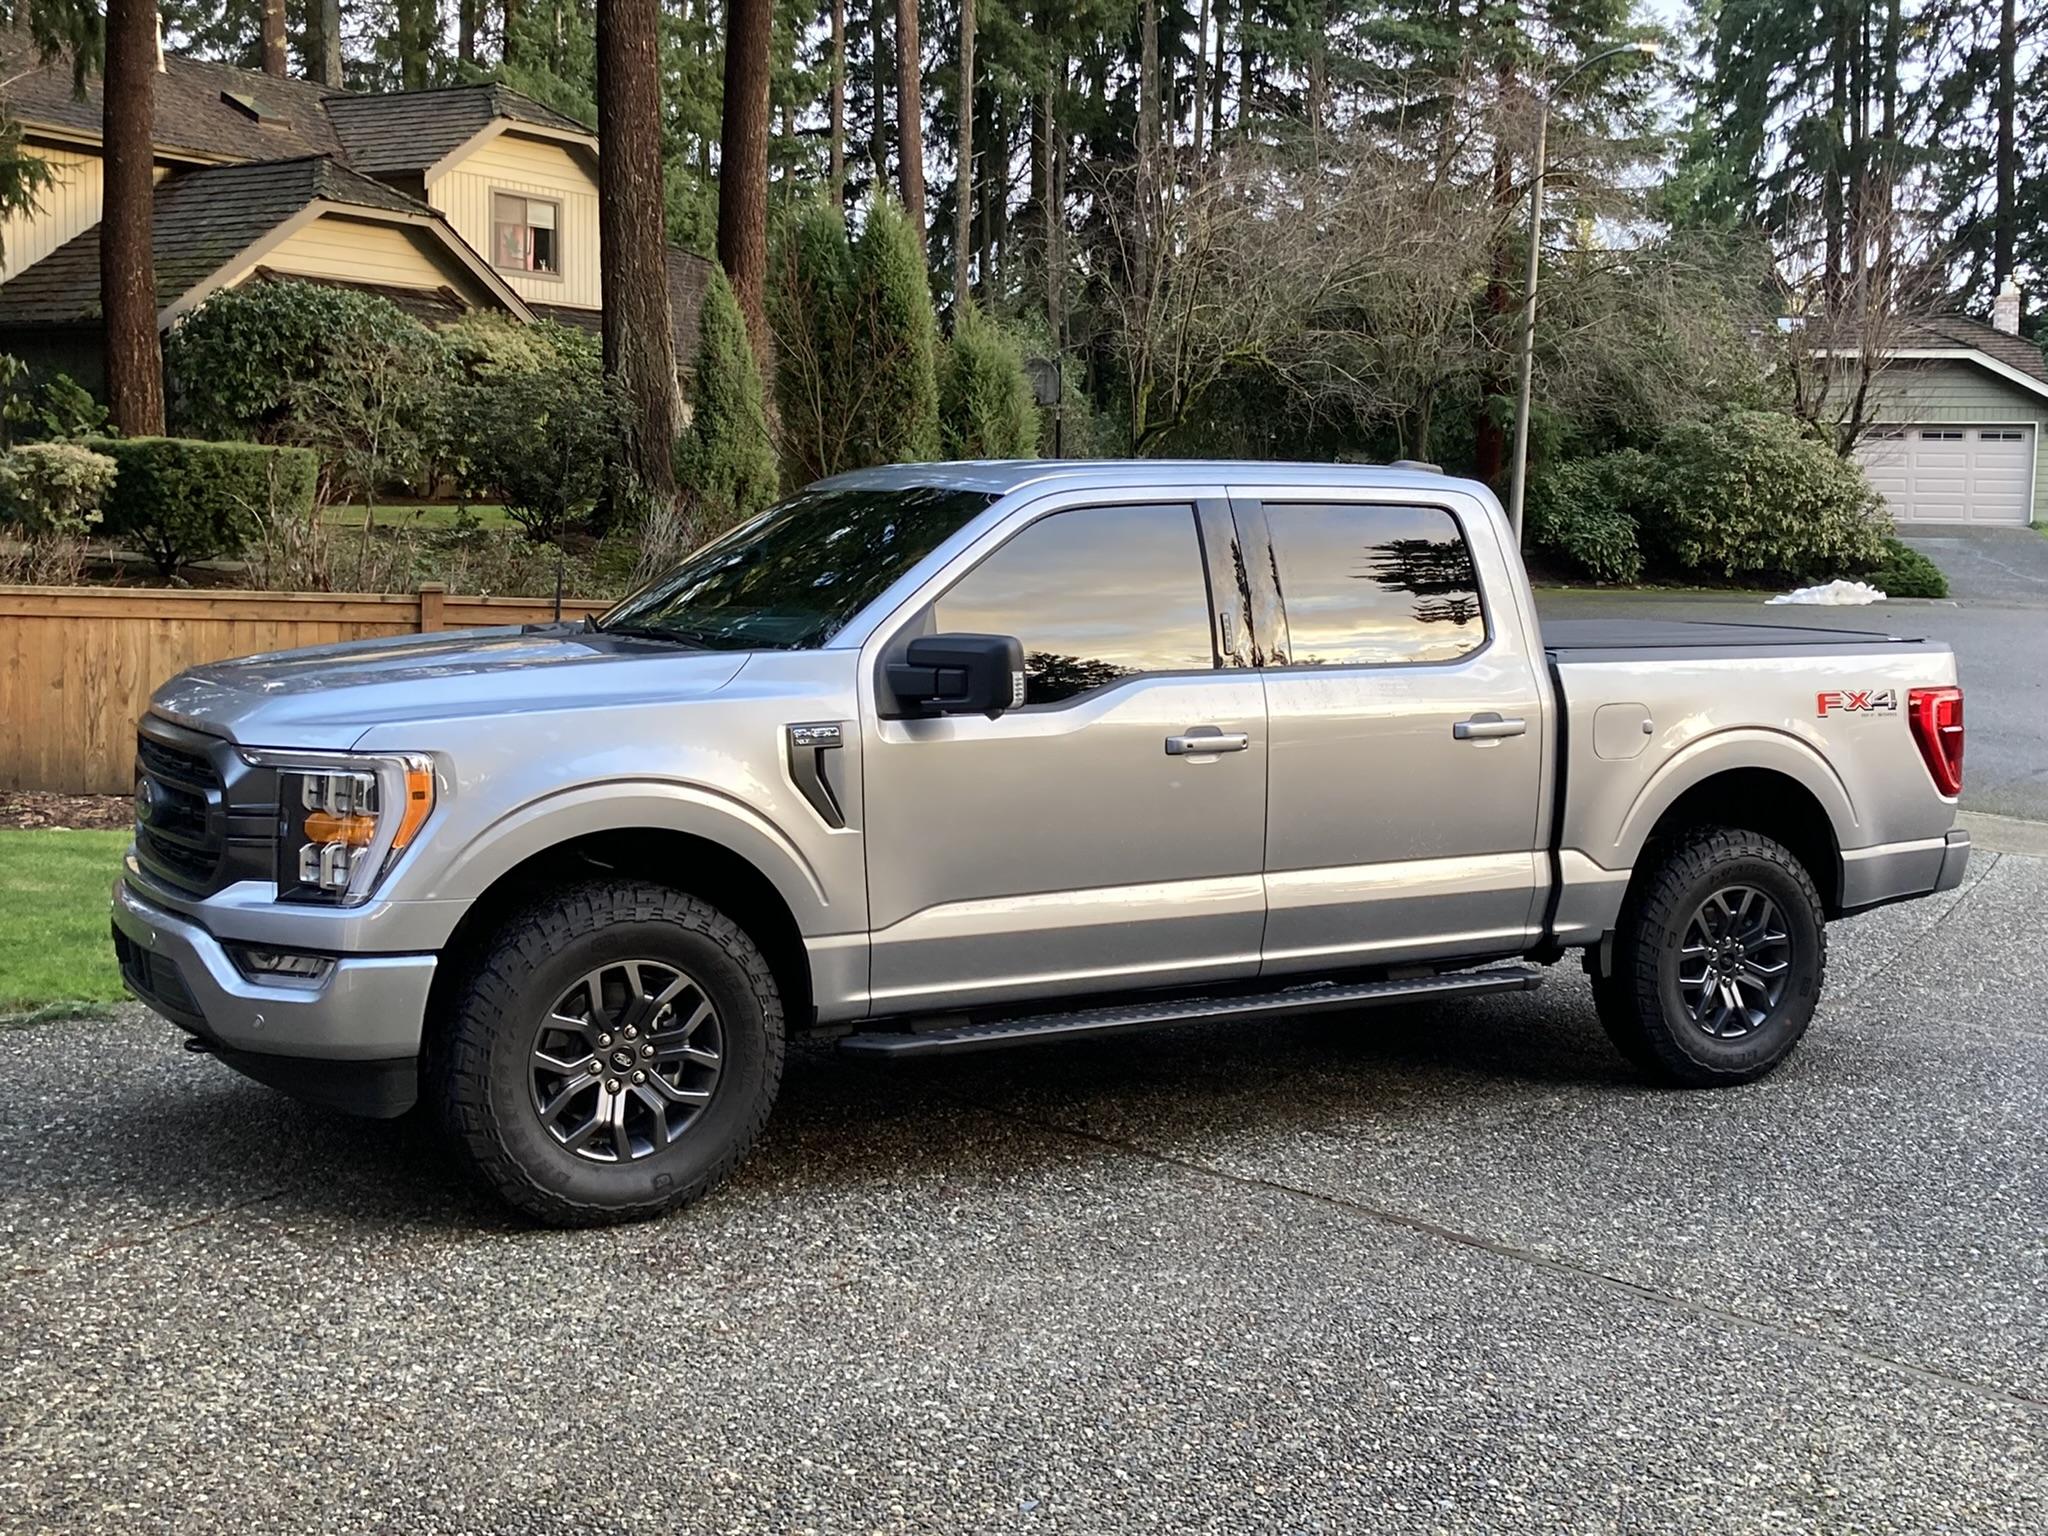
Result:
pixel 197 1046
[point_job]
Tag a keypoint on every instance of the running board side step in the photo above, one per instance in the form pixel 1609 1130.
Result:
pixel 1094 1023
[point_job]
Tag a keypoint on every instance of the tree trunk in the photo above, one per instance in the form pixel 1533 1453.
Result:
pixel 743 164
pixel 1216 78
pixel 963 183
pixel 326 62
pixel 133 359
pixel 837 181
pixel 910 116
pixel 1056 215
pixel 465 30
pixel 513 16
pixel 271 31
pixel 2006 219
pixel 1200 100
pixel 879 67
pixel 639 331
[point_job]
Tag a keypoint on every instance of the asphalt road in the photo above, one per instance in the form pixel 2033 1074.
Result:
pixel 1996 621
pixel 1447 1269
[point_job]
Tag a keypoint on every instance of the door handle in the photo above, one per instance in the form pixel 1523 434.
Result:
pixel 1201 740
pixel 1488 727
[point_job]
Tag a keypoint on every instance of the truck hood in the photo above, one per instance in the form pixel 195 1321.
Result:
pixel 328 696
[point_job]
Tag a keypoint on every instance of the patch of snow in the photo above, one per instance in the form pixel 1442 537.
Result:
pixel 1833 594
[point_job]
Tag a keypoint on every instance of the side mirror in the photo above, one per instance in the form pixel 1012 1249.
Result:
pixel 959 675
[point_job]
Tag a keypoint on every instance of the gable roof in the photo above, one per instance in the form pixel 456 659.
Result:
pixel 688 276
pixel 412 130
pixel 194 115
pixel 1959 333
pixel 204 219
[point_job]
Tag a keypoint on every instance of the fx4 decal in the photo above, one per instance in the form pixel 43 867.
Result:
pixel 1881 701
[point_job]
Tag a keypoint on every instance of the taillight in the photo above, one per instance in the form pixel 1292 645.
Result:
pixel 1937 716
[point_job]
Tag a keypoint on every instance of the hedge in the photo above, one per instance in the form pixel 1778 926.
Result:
pixel 179 499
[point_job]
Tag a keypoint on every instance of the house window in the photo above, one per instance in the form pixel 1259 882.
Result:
pixel 525 236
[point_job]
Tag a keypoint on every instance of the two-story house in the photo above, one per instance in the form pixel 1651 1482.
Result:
pixel 444 201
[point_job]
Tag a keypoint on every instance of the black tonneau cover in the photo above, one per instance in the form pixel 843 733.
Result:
pixel 1583 635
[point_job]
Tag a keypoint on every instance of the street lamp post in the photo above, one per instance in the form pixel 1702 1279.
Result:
pixel 1518 475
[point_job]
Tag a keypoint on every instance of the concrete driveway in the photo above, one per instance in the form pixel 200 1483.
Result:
pixel 1995 619
pixel 1448 1269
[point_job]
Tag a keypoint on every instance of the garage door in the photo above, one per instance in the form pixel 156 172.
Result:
pixel 1952 474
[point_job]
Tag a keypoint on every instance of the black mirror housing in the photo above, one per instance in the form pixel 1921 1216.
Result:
pixel 959 675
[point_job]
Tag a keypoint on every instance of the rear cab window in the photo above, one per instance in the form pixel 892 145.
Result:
pixel 1374 586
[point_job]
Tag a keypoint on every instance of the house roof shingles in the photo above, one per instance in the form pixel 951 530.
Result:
pixel 192 113
pixel 411 130
pixel 203 220
pixel 1953 332
pixel 688 276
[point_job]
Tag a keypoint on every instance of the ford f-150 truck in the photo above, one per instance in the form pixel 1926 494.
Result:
pixel 940 758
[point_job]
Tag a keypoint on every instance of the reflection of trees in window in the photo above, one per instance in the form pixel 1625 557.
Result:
pixel 1437 571
pixel 1052 678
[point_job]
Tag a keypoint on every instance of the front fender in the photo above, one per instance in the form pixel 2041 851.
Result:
pixel 624 805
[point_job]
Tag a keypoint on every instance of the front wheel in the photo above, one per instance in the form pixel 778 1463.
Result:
pixel 613 1056
pixel 1718 960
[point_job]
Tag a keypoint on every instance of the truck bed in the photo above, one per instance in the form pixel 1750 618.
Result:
pixel 1593 639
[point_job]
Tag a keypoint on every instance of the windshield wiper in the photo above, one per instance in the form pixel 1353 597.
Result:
pixel 644 632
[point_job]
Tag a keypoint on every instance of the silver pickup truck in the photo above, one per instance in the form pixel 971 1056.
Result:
pixel 941 758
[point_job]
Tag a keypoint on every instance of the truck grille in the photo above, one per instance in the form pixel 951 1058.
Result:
pixel 203 817
pixel 180 827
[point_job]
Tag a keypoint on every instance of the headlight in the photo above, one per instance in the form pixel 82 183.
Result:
pixel 343 820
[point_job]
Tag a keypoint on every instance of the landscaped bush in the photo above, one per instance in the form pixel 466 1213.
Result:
pixel 56 409
pixel 986 410
pixel 538 442
pixel 1902 571
pixel 483 344
pixel 1752 494
pixel 50 496
pixel 1586 511
pixel 178 500
pixel 725 461
pixel 345 373
pixel 895 338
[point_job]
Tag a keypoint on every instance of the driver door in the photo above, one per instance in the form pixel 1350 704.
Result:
pixel 1082 842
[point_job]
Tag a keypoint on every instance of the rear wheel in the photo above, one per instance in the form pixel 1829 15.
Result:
pixel 613 1056
pixel 1718 960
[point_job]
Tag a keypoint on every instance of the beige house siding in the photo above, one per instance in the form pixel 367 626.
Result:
pixel 528 167
pixel 368 251
pixel 68 207
pixel 1938 392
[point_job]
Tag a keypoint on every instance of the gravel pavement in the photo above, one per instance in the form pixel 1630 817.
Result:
pixel 1444 1269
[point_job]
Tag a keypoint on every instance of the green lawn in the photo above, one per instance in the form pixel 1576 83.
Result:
pixel 423 514
pixel 54 945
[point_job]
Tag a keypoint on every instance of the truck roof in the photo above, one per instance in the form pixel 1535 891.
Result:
pixel 999 477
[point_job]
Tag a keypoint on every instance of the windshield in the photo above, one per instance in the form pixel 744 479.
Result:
pixel 793 578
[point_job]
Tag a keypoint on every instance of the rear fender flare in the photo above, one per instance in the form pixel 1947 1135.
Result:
pixel 1726 751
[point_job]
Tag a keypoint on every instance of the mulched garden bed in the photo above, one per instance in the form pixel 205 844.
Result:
pixel 22 810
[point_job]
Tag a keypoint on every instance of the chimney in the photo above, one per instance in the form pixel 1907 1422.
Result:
pixel 2005 309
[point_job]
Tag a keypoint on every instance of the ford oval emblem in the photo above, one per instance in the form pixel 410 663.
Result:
pixel 145 802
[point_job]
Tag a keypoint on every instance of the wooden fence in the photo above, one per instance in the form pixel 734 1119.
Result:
pixel 78 664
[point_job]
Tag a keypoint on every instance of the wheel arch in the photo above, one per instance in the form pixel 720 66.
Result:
pixel 683 861
pixel 1766 801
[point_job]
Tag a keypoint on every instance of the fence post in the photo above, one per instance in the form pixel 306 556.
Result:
pixel 431 594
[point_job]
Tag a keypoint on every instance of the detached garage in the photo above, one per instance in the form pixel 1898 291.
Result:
pixel 1960 422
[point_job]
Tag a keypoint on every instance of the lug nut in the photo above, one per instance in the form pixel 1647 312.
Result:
pixel 639 1077
pixel 632 1033
pixel 597 1069
pixel 604 1039
pixel 646 1050
pixel 613 1085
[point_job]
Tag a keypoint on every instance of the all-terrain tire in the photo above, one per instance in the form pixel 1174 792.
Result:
pixel 482 1067
pixel 1640 1001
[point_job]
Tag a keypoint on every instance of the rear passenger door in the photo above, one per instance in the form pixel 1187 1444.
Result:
pixel 1084 841
pixel 1406 749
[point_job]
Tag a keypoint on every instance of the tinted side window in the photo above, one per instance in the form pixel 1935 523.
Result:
pixel 1374 586
pixel 1094 595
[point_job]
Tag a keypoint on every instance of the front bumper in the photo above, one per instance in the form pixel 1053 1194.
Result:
pixel 352 1039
